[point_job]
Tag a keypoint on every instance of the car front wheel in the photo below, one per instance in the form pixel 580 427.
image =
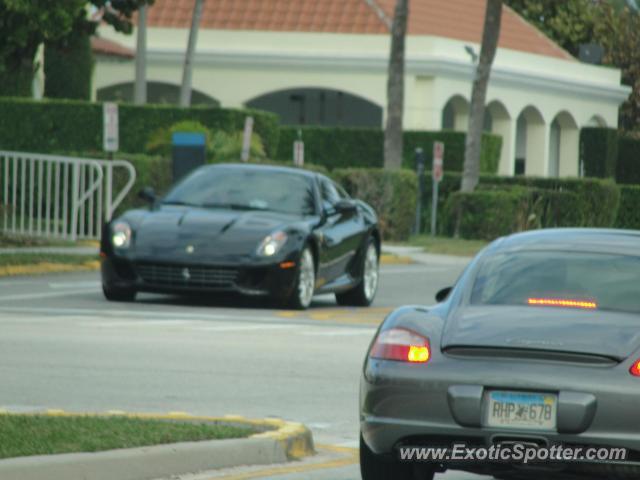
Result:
pixel 378 467
pixel 305 282
pixel 363 294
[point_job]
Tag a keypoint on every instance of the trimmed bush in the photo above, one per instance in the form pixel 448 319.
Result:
pixel 393 194
pixel 68 67
pixel 363 147
pixel 599 151
pixel 70 125
pixel 486 214
pixel 629 211
pixel 628 168
pixel 565 202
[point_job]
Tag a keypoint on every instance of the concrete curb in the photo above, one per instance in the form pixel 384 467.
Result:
pixel 277 442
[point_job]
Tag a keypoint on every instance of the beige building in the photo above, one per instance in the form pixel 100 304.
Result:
pixel 324 62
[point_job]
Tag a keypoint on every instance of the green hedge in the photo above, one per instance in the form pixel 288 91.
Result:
pixel 494 211
pixel 68 67
pixel 628 168
pixel 485 214
pixel 629 211
pixel 70 125
pixel 393 194
pixel 559 202
pixel 363 147
pixel 599 151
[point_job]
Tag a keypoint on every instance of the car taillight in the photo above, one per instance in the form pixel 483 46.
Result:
pixel 402 345
pixel 635 368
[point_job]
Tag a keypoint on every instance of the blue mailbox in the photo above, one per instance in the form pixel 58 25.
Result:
pixel 189 151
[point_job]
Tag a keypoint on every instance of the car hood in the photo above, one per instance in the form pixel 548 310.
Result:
pixel 209 233
pixel 602 333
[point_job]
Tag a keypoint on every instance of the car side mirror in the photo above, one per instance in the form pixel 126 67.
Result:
pixel 345 205
pixel 147 194
pixel 442 295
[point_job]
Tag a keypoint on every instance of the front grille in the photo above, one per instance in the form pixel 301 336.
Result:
pixel 187 275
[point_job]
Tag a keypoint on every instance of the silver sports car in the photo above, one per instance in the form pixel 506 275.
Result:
pixel 536 345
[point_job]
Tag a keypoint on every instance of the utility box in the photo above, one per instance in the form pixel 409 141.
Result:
pixel 188 152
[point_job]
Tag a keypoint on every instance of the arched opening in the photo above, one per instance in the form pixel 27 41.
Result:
pixel 531 150
pixel 455 114
pixel 157 92
pixel 564 140
pixel 597 121
pixel 501 124
pixel 319 106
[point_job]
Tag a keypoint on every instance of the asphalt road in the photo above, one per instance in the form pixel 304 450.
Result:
pixel 63 346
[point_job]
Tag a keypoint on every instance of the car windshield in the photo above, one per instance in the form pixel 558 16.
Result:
pixel 245 189
pixel 559 279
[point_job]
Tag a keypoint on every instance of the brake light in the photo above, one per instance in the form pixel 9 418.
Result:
pixel 402 345
pixel 635 369
pixel 561 302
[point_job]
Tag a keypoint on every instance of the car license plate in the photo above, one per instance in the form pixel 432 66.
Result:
pixel 536 411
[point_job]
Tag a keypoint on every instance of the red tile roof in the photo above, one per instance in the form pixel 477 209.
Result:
pixel 103 46
pixel 457 19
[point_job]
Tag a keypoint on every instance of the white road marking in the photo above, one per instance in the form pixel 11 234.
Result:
pixel 95 285
pixel 33 296
pixel 414 271
pixel 340 333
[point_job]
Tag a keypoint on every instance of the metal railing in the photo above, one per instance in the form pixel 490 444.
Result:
pixel 55 196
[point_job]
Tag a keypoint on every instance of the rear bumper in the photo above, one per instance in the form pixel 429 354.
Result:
pixel 441 403
pixel 169 277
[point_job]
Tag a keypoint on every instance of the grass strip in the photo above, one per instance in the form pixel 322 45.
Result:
pixel 26 435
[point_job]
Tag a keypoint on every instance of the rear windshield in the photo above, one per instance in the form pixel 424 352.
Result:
pixel 560 280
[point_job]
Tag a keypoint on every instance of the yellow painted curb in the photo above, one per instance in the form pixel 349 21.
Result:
pixel 46 267
pixel 390 259
pixel 294 438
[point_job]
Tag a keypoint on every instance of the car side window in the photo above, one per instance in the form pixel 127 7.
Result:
pixel 329 194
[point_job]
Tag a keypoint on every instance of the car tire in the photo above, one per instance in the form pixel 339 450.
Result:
pixel 119 294
pixel 305 283
pixel 364 293
pixel 379 467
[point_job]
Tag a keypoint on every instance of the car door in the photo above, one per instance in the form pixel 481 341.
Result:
pixel 340 233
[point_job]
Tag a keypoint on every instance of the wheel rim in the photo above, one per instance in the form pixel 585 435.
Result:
pixel 370 277
pixel 307 279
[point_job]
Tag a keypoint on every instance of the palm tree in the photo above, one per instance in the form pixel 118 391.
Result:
pixel 185 89
pixel 395 88
pixel 140 91
pixel 490 36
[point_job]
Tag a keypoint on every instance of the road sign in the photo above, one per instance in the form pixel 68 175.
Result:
pixel 110 133
pixel 298 153
pixel 438 158
pixel 246 139
pixel 437 172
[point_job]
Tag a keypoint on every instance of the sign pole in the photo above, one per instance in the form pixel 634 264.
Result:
pixel 420 171
pixel 434 208
pixel 437 173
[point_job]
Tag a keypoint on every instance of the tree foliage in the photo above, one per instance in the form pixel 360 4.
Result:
pixel 26 24
pixel 610 23
pixel 619 34
pixel 569 23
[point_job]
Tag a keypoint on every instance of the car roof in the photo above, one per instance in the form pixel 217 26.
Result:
pixel 262 167
pixel 596 240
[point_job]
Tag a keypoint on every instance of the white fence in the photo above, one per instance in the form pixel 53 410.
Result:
pixel 63 197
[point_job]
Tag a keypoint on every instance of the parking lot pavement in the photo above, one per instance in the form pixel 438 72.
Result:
pixel 64 346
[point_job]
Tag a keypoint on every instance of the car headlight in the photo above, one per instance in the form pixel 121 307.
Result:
pixel 272 244
pixel 121 235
